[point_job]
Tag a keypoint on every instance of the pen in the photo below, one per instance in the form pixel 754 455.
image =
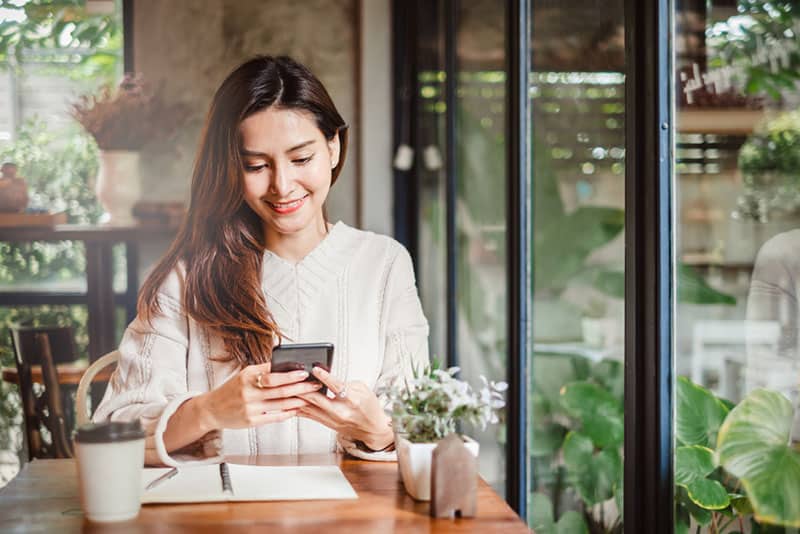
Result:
pixel 166 476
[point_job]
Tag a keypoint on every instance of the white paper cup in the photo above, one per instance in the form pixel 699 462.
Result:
pixel 110 459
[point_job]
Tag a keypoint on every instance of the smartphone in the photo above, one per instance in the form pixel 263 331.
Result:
pixel 303 357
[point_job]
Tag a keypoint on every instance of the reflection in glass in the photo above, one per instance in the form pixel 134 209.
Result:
pixel 577 91
pixel 737 197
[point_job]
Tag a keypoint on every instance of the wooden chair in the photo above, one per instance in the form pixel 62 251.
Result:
pixel 84 415
pixel 43 346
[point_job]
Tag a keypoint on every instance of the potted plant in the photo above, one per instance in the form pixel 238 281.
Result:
pixel 428 408
pixel 122 120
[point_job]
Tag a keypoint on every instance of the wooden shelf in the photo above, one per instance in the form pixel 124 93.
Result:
pixel 719 121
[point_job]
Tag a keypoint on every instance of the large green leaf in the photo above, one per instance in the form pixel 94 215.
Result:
pixel 595 473
pixel 754 445
pixel 693 462
pixel 698 415
pixel 692 465
pixel 693 289
pixel 541 520
pixel 611 374
pixel 599 412
pixel 571 523
pixel 562 246
pixel 708 494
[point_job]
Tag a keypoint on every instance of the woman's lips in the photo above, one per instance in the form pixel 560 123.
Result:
pixel 285 208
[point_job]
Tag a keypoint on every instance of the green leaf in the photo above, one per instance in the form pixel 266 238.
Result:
pixel 682 520
pixel 692 463
pixel 741 504
pixel 564 244
pixel 599 412
pixel 541 520
pixel 699 414
pixel 571 523
pixel 595 474
pixel 754 445
pixel 693 289
pixel 611 374
pixel 708 494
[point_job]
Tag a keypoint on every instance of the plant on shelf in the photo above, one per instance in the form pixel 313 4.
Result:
pixel 734 464
pixel 122 121
pixel 429 407
pixel 128 116
pixel 770 163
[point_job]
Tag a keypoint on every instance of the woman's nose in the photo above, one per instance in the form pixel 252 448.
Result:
pixel 280 182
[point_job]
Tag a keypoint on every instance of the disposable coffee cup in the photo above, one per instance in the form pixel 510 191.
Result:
pixel 110 459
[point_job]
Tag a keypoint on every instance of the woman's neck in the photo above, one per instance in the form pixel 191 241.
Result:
pixel 296 246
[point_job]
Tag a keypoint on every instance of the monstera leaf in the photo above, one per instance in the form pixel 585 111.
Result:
pixel 754 445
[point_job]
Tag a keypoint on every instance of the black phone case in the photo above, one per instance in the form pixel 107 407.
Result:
pixel 303 357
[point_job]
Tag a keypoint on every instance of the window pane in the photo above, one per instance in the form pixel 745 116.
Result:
pixel 480 210
pixel 577 90
pixel 737 207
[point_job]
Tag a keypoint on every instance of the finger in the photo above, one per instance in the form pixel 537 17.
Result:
pixel 292 390
pixel 315 414
pixel 271 380
pixel 291 403
pixel 319 400
pixel 328 379
pixel 274 417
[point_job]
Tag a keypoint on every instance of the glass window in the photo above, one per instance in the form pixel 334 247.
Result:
pixel 737 210
pixel 577 183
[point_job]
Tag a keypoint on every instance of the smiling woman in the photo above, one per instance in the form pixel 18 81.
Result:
pixel 256 263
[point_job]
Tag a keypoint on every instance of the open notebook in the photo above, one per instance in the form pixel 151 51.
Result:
pixel 208 483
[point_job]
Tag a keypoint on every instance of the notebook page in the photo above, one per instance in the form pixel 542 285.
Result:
pixel 200 483
pixel 289 483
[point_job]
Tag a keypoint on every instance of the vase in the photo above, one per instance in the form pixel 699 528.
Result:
pixel 118 186
pixel 414 462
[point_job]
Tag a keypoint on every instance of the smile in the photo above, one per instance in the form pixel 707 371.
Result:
pixel 284 208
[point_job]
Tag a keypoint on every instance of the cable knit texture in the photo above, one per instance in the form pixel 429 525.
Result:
pixel 356 290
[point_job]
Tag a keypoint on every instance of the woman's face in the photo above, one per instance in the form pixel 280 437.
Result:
pixel 288 165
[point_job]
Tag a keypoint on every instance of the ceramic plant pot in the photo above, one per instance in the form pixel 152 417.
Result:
pixel 118 185
pixel 414 462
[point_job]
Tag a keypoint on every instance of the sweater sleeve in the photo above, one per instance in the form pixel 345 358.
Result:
pixel 406 335
pixel 150 382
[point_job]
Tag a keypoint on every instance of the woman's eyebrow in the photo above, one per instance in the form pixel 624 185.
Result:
pixel 256 153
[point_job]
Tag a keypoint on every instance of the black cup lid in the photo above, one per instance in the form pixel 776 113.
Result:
pixel 109 432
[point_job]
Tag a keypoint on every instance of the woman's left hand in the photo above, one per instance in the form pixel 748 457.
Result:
pixel 355 412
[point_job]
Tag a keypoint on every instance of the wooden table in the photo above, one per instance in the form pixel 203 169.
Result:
pixel 99 296
pixel 44 498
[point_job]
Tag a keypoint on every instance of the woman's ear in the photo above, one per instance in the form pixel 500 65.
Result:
pixel 335 149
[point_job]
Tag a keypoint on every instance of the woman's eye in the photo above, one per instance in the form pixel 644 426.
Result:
pixel 254 168
pixel 302 161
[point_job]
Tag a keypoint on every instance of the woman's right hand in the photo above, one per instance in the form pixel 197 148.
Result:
pixel 241 403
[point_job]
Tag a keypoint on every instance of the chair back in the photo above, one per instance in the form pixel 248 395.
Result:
pixel 84 415
pixel 34 345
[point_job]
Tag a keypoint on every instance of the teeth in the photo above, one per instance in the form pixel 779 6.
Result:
pixel 287 204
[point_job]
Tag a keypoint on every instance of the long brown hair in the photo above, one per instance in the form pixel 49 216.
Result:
pixel 221 241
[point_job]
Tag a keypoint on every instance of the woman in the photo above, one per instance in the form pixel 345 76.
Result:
pixel 256 263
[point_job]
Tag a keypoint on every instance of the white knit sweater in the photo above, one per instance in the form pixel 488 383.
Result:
pixel 355 289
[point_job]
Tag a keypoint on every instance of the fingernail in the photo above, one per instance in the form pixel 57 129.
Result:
pixel 300 374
